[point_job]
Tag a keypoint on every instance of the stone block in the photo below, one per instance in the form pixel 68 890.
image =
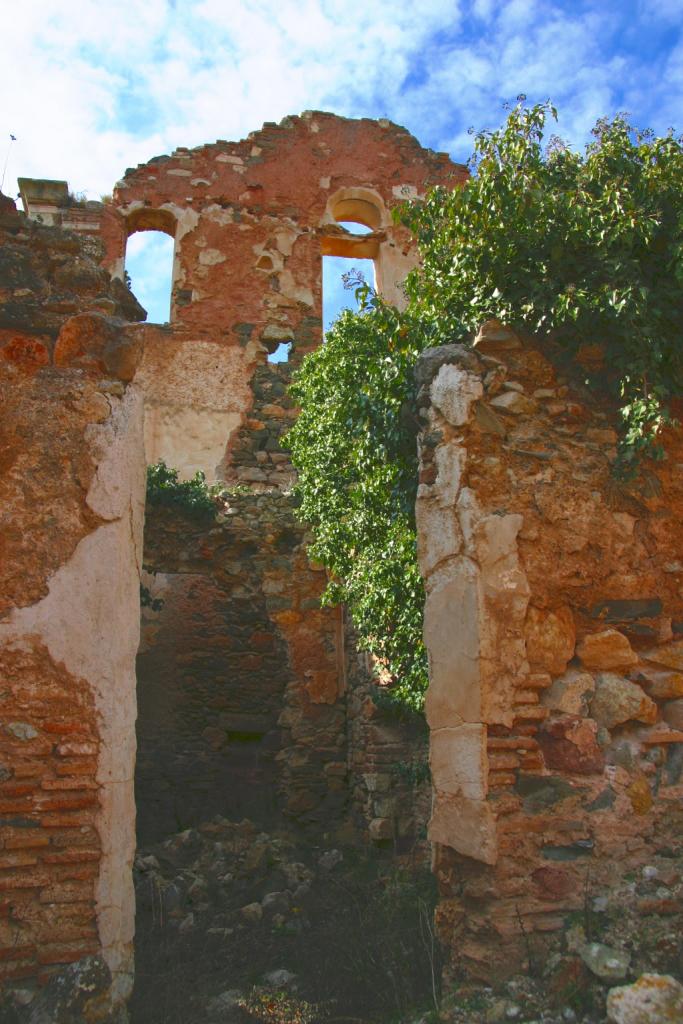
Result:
pixel 608 649
pixel 570 744
pixel 668 655
pixel 467 826
pixel 380 829
pixel 652 999
pixel 453 391
pixel 458 761
pixel 451 632
pixel 570 693
pixel 618 700
pixel 550 639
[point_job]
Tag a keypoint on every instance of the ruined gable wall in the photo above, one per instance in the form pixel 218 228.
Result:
pixel 251 221
pixel 553 622
pixel 71 494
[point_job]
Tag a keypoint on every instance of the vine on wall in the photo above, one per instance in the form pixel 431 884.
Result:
pixel 577 248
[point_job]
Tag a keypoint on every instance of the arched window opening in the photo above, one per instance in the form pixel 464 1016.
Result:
pixel 149 272
pixel 150 251
pixel 336 296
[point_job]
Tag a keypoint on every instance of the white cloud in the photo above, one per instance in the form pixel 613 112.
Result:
pixel 89 92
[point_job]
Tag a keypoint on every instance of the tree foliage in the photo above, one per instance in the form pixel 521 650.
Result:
pixel 577 248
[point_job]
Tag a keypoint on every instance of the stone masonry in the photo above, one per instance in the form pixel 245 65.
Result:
pixel 70 549
pixel 554 625
pixel 242 676
pixel 554 615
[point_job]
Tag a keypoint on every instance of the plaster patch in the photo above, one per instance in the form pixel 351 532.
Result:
pixel 453 391
pixel 451 635
pixel 89 622
pixel 218 214
pixel 210 257
pixel 187 438
pixel 458 761
pixel 292 290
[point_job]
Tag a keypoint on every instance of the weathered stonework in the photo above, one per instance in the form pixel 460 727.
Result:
pixel 70 535
pixel 554 603
pixel 241 699
pixel 251 221
pixel 244 679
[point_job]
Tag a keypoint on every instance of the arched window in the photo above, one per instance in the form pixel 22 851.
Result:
pixel 149 260
pixel 354 218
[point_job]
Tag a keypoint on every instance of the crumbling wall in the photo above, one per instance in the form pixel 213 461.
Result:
pixel 70 536
pixel 251 221
pixel 388 762
pixel 240 651
pixel 553 622
pixel 242 709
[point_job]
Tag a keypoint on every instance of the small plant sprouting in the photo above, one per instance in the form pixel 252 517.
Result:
pixel 194 497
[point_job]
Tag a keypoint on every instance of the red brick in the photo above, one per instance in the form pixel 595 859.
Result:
pixel 511 743
pixel 17 952
pixel 82 872
pixel 67 802
pixel 64 930
pixel 83 766
pixel 16 860
pixel 38 747
pixel 11 807
pixel 67 728
pixel 68 783
pixel 64 922
pixel 29 769
pixel 14 789
pixel 66 820
pixel 532 713
pixel 84 836
pixel 501 779
pixel 26 842
pixel 71 857
pixel 23 880
pixel 67 892
pixel 503 762
pixel 65 953
pixel 73 749
pixel 664 907
pixel 15 971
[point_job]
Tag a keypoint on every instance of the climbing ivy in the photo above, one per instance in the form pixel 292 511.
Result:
pixel 576 248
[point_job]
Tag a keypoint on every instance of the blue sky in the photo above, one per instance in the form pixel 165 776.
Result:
pixel 90 89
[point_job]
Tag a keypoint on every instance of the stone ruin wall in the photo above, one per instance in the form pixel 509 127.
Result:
pixel 269 695
pixel 240 657
pixel 70 548
pixel 552 754
pixel 251 221
pixel 554 624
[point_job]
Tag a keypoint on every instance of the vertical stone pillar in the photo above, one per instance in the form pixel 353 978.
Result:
pixel 551 621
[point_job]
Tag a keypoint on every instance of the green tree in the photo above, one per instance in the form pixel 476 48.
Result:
pixel 575 248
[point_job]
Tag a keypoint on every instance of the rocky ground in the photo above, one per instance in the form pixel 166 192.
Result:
pixel 239 925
